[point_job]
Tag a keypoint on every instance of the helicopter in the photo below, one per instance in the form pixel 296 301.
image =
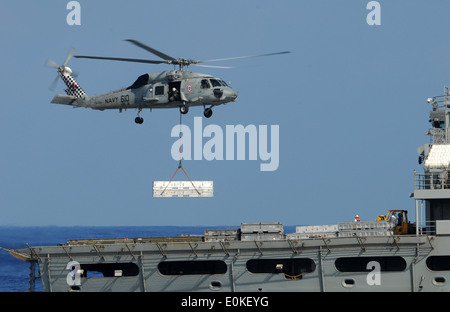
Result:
pixel 176 88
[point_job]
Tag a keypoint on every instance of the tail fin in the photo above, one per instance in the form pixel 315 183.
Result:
pixel 73 88
pixel 65 73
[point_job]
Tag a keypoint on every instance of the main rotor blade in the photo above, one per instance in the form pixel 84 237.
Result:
pixel 241 57
pixel 69 56
pixel 210 66
pixel 151 50
pixel 120 59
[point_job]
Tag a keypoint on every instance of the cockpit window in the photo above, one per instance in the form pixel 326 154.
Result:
pixel 205 84
pixel 223 83
pixel 215 83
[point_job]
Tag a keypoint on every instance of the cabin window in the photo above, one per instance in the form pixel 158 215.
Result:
pixel 359 264
pixel 215 83
pixel 205 84
pixel 192 267
pixel 109 269
pixel 291 268
pixel 438 263
pixel 159 90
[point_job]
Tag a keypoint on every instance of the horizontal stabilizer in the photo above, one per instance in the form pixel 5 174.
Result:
pixel 67 100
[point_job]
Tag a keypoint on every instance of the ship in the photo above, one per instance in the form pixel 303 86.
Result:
pixel 388 253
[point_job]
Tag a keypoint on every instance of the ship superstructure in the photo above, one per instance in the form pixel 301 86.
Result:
pixel 432 187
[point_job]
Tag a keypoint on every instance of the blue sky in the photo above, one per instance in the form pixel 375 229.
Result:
pixel 350 102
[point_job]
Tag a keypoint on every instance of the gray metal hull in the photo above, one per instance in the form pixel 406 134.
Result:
pixel 325 277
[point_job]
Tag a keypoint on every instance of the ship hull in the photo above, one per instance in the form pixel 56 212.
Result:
pixel 402 263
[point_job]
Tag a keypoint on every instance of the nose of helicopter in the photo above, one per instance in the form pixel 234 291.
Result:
pixel 230 94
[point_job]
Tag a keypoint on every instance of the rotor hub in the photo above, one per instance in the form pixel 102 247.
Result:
pixel 65 70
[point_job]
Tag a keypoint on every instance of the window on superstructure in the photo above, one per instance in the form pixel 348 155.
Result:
pixel 109 269
pixel 192 267
pixel 438 263
pixel 291 268
pixel 359 264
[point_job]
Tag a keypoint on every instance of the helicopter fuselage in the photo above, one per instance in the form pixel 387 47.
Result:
pixel 167 89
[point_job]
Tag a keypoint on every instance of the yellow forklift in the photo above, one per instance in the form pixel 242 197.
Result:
pixel 400 217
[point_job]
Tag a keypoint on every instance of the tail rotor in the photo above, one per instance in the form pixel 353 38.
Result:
pixel 66 74
pixel 62 70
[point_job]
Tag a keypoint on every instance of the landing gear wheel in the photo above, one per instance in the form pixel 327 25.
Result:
pixel 184 109
pixel 207 112
pixel 139 120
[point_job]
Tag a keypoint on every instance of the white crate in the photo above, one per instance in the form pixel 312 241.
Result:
pixel 269 227
pixel 261 236
pixel 297 235
pixel 316 228
pixel 183 189
pixel 222 235
pixel 312 235
pixel 223 232
pixel 365 225
pixel 365 233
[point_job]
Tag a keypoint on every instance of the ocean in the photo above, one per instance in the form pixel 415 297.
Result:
pixel 14 273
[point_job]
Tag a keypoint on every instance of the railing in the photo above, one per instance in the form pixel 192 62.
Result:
pixel 441 102
pixel 440 135
pixel 431 180
pixel 428 228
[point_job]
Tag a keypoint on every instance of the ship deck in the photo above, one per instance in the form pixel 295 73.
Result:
pixel 195 246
